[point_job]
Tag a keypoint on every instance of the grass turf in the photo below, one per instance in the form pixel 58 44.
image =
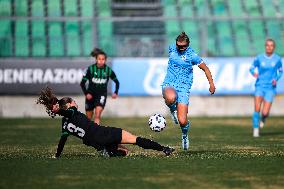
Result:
pixel 223 154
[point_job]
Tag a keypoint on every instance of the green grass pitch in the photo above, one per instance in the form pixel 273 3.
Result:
pixel 223 154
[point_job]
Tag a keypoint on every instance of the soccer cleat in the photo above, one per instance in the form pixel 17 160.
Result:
pixel 255 132
pixel 104 153
pixel 174 116
pixel 261 124
pixel 168 150
pixel 185 142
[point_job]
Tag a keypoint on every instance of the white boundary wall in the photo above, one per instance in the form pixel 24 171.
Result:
pixel 25 106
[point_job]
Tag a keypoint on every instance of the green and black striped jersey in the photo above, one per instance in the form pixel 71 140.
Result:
pixel 98 79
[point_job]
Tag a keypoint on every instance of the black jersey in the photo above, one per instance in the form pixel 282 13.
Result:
pixel 98 79
pixel 75 123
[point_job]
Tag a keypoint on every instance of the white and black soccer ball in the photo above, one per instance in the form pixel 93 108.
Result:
pixel 157 122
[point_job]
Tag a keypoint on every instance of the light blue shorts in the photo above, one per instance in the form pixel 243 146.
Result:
pixel 267 94
pixel 182 96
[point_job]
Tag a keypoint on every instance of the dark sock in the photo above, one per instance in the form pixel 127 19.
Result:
pixel 172 106
pixel 148 144
pixel 263 118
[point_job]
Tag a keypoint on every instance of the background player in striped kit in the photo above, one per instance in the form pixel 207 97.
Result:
pixel 267 68
pixel 96 78
pixel 178 82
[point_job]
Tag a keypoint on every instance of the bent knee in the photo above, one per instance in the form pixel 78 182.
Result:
pixel 182 120
pixel 169 95
pixel 265 113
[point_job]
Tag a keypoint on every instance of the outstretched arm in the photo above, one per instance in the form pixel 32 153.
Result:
pixel 61 144
pixel 209 77
pixel 85 78
pixel 83 85
pixel 115 80
pixel 253 67
pixel 279 71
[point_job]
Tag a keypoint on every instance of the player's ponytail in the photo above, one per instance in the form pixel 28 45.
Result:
pixel 182 37
pixel 48 99
pixel 96 51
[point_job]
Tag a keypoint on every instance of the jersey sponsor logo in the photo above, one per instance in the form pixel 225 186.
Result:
pixel 273 63
pixel 99 81
pixel 73 129
pixel 183 57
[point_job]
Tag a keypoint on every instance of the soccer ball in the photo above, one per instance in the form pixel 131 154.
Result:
pixel 157 122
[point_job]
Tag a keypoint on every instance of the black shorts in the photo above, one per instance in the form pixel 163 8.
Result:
pixel 103 137
pixel 97 100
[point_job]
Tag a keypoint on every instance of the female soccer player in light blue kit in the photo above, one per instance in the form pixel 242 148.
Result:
pixel 178 81
pixel 267 68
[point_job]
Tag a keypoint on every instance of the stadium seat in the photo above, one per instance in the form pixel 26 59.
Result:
pixel 105 34
pixel 280 47
pixel 103 8
pixel 88 39
pixel 268 8
pixel 70 8
pixel 21 38
pixel 252 7
pixel 37 8
pixel 241 38
pixel 257 33
pixel 211 41
pixel 235 8
pixel 87 7
pixel 172 28
pixel 106 44
pixel 281 7
pixel 38 38
pixel 258 44
pixel 191 28
pixel 55 39
pixel 72 38
pixel 201 7
pixel 256 28
pixel 274 29
pixel 105 28
pixel 54 8
pixel 186 8
pixel 5 8
pixel 5 29
pixel 225 38
pixel 21 8
pixel 219 7
pixel 5 38
pixel 170 8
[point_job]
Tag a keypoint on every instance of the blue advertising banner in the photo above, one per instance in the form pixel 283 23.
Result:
pixel 143 76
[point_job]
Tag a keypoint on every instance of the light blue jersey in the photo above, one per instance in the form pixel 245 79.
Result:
pixel 268 69
pixel 180 71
